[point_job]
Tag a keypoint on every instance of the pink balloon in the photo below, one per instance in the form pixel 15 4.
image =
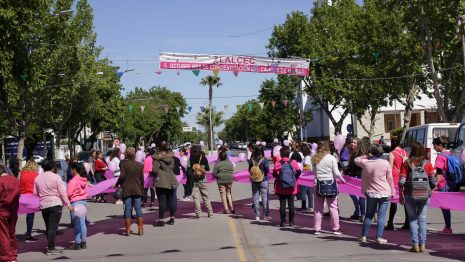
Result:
pixel 339 141
pixel 313 152
pixel 122 157
pixel 87 167
pixel 276 152
pixel 140 156
pixel 80 210
pixel 314 146
pixel 463 155
pixel 122 148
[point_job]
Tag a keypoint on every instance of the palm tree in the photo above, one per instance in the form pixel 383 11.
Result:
pixel 210 81
pixel 203 119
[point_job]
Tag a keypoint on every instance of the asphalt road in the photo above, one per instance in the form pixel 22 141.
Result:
pixel 239 237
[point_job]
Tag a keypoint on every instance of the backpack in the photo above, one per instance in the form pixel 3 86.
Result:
pixel 287 175
pixel 418 184
pixel 256 174
pixel 454 171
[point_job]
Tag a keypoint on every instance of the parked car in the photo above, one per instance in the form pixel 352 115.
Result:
pixel 424 134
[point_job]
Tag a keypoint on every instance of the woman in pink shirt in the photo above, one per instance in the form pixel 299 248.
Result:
pixel 77 191
pixel 286 194
pixel 51 190
pixel 378 187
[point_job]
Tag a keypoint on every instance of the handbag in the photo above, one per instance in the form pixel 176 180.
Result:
pixel 326 188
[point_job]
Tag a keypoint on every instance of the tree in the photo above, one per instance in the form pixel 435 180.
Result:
pixel 326 36
pixel 434 25
pixel 160 119
pixel 210 81
pixel 209 119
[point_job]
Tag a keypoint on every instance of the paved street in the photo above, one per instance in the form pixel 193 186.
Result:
pixel 239 237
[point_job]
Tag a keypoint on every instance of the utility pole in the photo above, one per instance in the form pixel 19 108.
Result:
pixel 301 109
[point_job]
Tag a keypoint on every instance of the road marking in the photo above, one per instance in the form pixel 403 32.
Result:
pixel 240 250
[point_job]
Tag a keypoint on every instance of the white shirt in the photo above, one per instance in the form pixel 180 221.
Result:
pixel 327 169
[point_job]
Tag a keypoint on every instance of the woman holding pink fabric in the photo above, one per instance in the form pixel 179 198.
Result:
pixel 148 179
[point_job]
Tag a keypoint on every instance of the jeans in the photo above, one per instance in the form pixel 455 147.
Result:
pixel 306 194
pixel 131 202
pixel 359 204
pixel 29 223
pixel 261 189
pixel 446 212
pixel 417 212
pixel 372 204
pixel 165 197
pixel 51 216
pixel 79 224
pixel 282 207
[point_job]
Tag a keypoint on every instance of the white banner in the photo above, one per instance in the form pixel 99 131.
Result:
pixel 235 63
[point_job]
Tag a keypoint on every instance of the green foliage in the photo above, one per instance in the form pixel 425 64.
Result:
pixel 253 122
pixel 48 71
pixel 152 125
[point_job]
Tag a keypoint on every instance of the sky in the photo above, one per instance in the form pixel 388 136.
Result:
pixel 133 33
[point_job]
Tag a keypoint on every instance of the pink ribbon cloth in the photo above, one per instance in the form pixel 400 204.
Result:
pixel 447 200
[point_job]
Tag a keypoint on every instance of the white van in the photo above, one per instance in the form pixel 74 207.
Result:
pixel 424 134
pixel 458 145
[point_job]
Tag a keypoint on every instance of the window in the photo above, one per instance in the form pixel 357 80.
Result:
pixel 420 138
pixel 461 135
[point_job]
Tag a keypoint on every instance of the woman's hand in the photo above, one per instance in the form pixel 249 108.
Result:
pixel 71 208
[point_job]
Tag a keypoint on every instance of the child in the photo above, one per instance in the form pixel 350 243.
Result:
pixel 77 191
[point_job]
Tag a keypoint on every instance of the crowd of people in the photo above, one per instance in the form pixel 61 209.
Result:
pixel 156 171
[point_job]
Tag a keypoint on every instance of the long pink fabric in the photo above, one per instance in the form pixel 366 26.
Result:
pixel 449 200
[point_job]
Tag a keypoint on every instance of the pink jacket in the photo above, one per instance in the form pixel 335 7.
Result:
pixel 77 189
pixel 51 190
pixel 277 186
pixel 376 176
pixel 148 164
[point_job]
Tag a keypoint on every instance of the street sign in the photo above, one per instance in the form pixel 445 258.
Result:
pixel 186 129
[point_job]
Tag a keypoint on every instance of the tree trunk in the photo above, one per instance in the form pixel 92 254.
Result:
pixel 408 110
pixel 434 75
pixel 19 153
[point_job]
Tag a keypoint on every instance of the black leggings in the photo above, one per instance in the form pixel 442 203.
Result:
pixel 99 177
pixel 188 186
pixel 52 216
pixel 152 195
pixel 392 213
pixel 165 196
pixel 282 207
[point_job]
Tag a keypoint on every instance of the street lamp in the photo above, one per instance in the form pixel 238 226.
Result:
pixel 63 12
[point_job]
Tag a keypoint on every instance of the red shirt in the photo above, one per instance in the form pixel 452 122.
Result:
pixel 9 196
pixel 26 181
pixel 100 165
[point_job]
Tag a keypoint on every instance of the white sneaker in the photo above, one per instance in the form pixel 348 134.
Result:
pixel 316 232
pixel 381 240
pixel 257 218
pixel 118 202
pixel 362 239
